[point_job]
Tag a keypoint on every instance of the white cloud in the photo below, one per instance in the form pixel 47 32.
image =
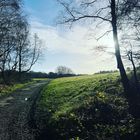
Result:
pixel 72 41
pixel 72 48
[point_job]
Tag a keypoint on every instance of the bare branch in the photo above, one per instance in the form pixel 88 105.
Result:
pixel 88 3
pixel 66 6
pixel 107 32
pixel 85 16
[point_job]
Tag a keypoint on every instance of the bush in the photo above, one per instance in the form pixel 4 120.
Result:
pixel 103 117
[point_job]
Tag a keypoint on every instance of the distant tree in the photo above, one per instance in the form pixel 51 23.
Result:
pixel 63 70
pixel 37 74
pixel 52 75
pixel 28 51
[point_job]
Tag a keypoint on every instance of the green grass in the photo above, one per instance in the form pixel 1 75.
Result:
pixel 39 79
pixel 7 89
pixel 67 93
pixel 84 107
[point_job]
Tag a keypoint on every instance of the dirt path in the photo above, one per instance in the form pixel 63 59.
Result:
pixel 15 111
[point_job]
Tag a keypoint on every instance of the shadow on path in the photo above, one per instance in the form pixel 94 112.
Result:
pixel 15 110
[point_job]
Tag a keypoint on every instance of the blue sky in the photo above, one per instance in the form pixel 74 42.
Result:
pixel 62 46
pixel 45 10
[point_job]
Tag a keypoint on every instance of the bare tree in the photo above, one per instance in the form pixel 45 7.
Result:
pixel 28 51
pixel 18 51
pixel 104 11
pixel 22 33
pixel 130 40
pixel 9 13
pixel 63 70
pixel 9 10
pixel 131 55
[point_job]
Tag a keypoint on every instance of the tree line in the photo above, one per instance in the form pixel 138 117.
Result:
pixel 19 50
pixel 60 71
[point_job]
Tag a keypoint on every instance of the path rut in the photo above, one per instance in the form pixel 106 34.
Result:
pixel 15 110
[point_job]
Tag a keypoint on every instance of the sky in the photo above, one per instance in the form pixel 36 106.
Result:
pixel 71 47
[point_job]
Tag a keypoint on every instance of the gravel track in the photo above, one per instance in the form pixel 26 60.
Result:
pixel 15 113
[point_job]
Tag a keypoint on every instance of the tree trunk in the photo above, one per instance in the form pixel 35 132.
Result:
pixel 3 77
pixel 135 71
pixel 131 94
pixel 135 75
pixel 3 70
pixel 20 59
pixel 120 66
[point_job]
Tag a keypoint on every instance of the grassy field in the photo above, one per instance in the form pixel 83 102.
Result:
pixel 84 107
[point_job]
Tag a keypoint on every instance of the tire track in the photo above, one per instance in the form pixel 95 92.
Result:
pixel 16 113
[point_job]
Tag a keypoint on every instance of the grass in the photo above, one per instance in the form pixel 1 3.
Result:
pixel 67 93
pixel 8 89
pixel 84 107
pixel 39 79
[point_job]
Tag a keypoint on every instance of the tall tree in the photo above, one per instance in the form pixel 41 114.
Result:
pixel 129 15
pixel 18 51
pixel 9 13
pixel 109 11
pixel 28 48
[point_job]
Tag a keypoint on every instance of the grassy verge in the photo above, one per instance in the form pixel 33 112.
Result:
pixel 86 107
pixel 7 89
pixel 40 79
